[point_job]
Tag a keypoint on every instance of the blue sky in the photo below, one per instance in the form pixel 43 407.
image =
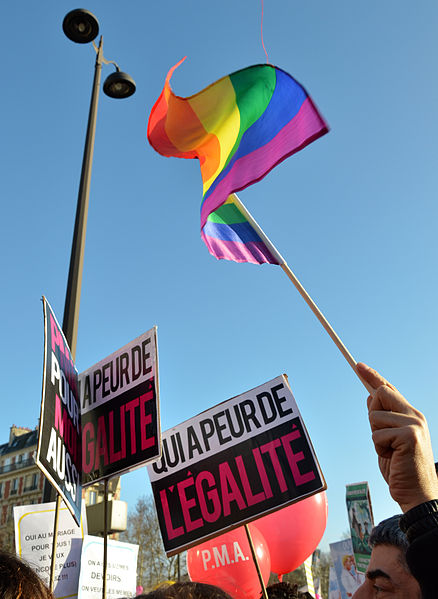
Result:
pixel 354 214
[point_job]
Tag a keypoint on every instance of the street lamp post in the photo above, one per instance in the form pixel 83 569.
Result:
pixel 82 27
pixel 74 284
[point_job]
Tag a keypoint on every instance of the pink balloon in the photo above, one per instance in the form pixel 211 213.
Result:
pixel 293 533
pixel 226 562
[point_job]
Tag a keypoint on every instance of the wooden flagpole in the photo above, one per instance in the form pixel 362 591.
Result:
pixel 309 301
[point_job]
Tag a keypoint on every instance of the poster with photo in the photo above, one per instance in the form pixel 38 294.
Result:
pixel 334 592
pixel 360 517
pixel 349 579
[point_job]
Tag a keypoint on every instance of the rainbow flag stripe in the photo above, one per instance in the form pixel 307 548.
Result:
pixel 239 127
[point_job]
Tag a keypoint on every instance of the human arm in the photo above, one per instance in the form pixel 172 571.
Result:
pixel 401 438
pixel 402 442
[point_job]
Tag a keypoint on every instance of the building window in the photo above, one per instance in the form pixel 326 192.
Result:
pixel 1 489
pixel 92 498
pixel 30 482
pixel 14 486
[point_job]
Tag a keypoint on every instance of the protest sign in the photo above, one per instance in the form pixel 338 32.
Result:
pixel 120 410
pixel 243 458
pixel 121 569
pixel 59 437
pixel 349 579
pixel 360 516
pixel 34 543
pixel 334 592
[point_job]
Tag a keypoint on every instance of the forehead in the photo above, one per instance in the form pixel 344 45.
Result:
pixel 389 559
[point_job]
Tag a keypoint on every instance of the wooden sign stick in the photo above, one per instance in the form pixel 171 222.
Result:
pixel 105 536
pixel 256 562
pixel 54 542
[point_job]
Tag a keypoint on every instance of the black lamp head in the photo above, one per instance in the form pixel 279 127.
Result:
pixel 119 85
pixel 80 26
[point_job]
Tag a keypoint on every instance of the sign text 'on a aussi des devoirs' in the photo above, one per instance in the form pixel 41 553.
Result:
pixel 59 438
pixel 120 410
pixel 233 463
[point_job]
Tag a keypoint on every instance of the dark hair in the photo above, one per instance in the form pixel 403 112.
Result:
pixel 186 590
pixel 282 590
pixel 388 532
pixel 19 581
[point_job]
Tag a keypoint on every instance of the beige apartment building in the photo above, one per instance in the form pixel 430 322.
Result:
pixel 22 483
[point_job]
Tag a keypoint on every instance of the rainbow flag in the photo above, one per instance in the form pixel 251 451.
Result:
pixel 239 128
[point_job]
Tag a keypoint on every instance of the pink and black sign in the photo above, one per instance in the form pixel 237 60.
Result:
pixel 59 438
pixel 231 464
pixel 120 410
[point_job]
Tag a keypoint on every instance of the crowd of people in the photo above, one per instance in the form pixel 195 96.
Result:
pixel 403 546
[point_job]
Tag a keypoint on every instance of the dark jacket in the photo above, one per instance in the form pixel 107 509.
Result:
pixel 420 524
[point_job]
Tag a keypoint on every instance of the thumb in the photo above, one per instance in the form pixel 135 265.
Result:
pixel 372 377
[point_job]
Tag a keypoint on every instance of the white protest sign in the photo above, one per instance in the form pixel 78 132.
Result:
pixel 121 569
pixel 34 543
pixel 119 399
pixel 231 464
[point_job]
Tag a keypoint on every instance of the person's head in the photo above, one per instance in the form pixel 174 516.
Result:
pixel 282 590
pixel 18 580
pixel 186 590
pixel 388 573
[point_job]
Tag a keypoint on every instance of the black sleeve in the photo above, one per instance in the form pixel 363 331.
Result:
pixel 421 527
